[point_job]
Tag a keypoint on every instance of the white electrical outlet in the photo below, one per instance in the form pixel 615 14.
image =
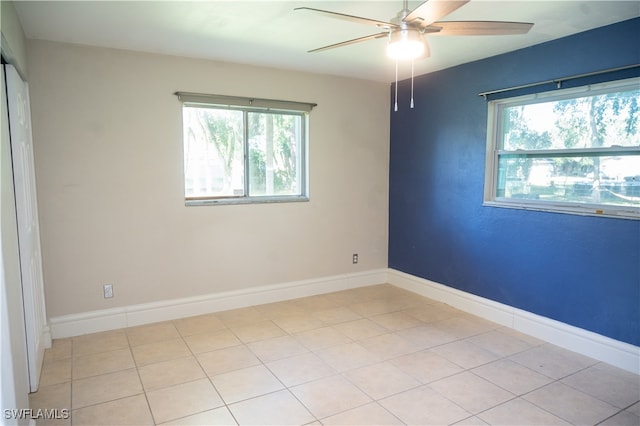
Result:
pixel 355 258
pixel 108 291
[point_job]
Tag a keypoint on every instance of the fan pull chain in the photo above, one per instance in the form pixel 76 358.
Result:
pixel 395 107
pixel 396 100
pixel 412 61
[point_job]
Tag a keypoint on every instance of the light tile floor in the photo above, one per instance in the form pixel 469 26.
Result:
pixel 374 355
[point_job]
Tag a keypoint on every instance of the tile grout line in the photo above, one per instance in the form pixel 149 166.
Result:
pixel 195 357
pixel 144 390
pixel 619 412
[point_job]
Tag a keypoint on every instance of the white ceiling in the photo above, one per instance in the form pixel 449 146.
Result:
pixel 271 33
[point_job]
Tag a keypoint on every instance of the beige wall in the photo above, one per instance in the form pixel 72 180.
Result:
pixel 108 147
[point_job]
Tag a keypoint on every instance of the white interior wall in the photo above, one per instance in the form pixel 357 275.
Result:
pixel 14 43
pixel 108 152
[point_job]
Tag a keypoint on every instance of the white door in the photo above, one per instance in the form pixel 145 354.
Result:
pixel 14 385
pixel 28 230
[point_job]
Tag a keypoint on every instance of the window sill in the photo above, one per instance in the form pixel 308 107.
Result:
pixel 245 200
pixel 599 211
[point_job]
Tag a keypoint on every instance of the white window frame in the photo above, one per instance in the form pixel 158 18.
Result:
pixel 494 152
pixel 248 105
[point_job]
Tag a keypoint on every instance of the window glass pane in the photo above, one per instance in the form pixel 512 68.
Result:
pixel 610 180
pixel 595 121
pixel 275 141
pixel 213 152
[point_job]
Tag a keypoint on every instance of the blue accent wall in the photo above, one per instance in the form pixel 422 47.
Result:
pixel 581 270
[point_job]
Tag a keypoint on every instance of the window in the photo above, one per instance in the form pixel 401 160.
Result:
pixel 240 150
pixel 571 151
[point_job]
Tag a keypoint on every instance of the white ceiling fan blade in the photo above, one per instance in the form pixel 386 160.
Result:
pixel 432 10
pixel 475 28
pixel 348 42
pixel 351 18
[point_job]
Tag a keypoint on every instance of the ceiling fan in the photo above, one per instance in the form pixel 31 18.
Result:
pixel 406 30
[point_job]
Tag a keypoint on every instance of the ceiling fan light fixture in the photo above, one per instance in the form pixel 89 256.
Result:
pixel 405 44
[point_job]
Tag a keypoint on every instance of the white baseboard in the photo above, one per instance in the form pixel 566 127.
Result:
pixel 128 316
pixel 614 352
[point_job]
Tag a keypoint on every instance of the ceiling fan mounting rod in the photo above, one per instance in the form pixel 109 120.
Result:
pixel 402 14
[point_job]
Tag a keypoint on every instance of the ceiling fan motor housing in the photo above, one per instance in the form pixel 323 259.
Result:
pixel 406 43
